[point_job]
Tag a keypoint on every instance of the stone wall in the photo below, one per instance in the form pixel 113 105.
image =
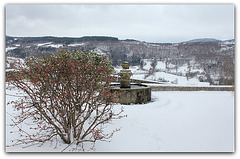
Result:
pixel 183 88
pixel 186 88
pixel 133 95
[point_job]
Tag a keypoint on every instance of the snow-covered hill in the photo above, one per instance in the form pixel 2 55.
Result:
pixel 209 61
pixel 202 40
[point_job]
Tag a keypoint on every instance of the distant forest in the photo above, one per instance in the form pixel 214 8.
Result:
pixel 63 40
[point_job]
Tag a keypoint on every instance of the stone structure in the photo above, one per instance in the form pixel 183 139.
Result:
pixel 131 93
pixel 137 94
pixel 125 75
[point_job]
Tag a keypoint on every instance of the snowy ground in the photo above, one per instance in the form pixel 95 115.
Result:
pixel 177 122
pixel 173 122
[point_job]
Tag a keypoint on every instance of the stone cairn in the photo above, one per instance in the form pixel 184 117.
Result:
pixel 125 75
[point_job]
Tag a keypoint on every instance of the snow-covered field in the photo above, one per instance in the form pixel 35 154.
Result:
pixel 173 122
pixel 164 76
pixel 170 79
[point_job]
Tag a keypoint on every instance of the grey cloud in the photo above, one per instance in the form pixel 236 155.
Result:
pixel 154 23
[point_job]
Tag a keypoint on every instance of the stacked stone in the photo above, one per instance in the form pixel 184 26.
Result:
pixel 125 75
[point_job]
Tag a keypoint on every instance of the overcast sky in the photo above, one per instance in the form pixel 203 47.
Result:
pixel 151 23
